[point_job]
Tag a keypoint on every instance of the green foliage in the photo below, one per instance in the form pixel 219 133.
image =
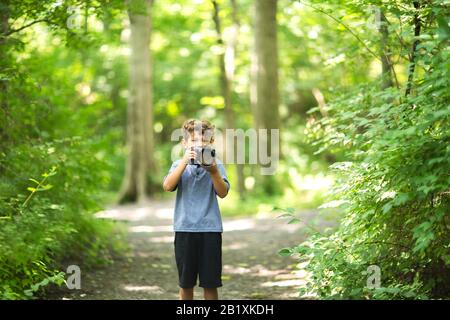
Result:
pixel 63 99
pixel 394 190
pixel 53 168
pixel 48 218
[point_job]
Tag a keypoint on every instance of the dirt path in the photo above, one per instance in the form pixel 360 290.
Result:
pixel 252 269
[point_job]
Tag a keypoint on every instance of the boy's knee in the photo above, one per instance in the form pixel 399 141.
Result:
pixel 210 293
pixel 186 293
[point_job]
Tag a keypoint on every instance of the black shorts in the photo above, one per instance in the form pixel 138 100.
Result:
pixel 199 253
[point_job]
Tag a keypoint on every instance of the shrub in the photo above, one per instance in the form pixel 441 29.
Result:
pixel 394 190
pixel 48 197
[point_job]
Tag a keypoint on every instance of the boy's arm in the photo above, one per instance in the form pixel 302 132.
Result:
pixel 172 179
pixel 219 184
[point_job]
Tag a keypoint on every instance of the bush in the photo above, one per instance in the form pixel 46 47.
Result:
pixel 394 191
pixel 48 197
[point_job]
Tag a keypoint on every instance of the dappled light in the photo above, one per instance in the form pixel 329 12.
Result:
pixel 167 239
pixel 236 246
pixel 150 289
pixel 284 283
pixel 238 225
pixel 264 149
pixel 136 214
pixel 148 229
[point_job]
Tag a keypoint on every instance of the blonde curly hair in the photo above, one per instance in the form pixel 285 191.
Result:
pixel 194 125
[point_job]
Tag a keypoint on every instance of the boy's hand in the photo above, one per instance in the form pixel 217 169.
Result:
pixel 172 179
pixel 218 183
pixel 212 168
pixel 189 154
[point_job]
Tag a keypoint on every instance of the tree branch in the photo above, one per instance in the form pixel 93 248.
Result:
pixel 25 26
pixel 345 26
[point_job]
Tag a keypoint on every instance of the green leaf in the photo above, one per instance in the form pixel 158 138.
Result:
pixel 288 210
pixel 285 252
pixel 285 215
pixel 333 204
pixel 387 207
pixel 34 180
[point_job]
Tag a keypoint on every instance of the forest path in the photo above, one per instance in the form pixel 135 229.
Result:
pixel 252 268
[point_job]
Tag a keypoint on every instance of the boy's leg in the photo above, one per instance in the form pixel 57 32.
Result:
pixel 186 256
pixel 210 264
pixel 211 293
pixel 186 293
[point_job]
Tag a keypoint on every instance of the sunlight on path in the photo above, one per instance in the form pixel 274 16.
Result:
pixel 252 269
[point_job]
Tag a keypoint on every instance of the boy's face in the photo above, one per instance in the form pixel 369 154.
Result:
pixel 197 140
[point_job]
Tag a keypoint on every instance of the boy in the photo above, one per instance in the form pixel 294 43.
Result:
pixel 197 220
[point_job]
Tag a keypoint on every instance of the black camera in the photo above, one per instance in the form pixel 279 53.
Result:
pixel 203 156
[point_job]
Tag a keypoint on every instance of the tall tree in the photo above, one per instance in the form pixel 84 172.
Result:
pixel 417 24
pixel 386 76
pixel 227 67
pixel 4 59
pixel 264 73
pixel 140 162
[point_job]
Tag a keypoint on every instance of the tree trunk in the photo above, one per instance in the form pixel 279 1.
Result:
pixel 386 77
pixel 264 82
pixel 106 18
pixel 412 58
pixel 4 60
pixel 140 162
pixel 226 63
pixel 230 53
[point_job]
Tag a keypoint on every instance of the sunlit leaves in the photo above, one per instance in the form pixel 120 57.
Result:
pixel 397 183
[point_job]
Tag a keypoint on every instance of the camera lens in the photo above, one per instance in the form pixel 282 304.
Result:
pixel 208 155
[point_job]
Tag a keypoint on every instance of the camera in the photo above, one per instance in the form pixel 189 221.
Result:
pixel 203 156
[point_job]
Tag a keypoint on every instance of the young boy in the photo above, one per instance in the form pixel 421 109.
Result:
pixel 197 220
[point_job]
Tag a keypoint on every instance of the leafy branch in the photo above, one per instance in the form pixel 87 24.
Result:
pixel 26 26
pixel 353 33
pixel 40 186
pixel 290 213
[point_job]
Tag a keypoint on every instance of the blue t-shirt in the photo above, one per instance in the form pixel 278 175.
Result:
pixel 196 206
